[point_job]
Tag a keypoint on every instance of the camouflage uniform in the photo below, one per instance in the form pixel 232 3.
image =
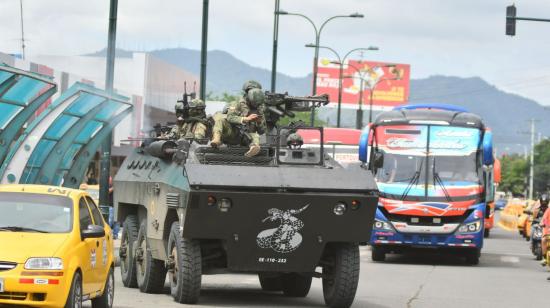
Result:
pixel 190 126
pixel 226 127
pixel 236 113
pixel 190 130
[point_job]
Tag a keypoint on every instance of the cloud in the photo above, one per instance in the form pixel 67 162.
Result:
pixel 464 38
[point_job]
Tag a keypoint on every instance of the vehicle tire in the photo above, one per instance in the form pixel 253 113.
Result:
pixel 296 285
pixel 487 233
pixel 472 256
pixel 126 252
pixel 151 273
pixel 341 275
pixel 538 251
pixel 74 300
pixel 378 254
pixel 106 299
pixel 186 267
pixel 271 283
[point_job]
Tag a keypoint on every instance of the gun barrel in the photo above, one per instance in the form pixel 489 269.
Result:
pixel 276 111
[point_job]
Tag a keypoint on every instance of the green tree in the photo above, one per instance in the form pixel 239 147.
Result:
pixel 514 174
pixel 303 116
pixel 225 97
pixel 542 166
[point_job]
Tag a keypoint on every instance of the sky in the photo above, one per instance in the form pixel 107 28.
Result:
pixel 436 37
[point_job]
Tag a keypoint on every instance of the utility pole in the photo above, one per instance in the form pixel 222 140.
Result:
pixel 204 49
pixel 105 163
pixel 275 43
pixel 22 32
pixel 532 160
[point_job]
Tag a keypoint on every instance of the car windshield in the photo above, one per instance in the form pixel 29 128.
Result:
pixel 28 212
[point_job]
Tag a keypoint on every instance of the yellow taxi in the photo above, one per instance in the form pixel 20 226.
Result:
pixel 55 248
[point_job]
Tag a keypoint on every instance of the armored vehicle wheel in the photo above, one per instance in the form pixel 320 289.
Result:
pixel 185 267
pixel 296 285
pixel 378 254
pixel 151 273
pixel 271 283
pixel 341 275
pixel 126 252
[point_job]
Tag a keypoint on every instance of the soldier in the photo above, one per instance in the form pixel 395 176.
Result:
pixel 191 124
pixel 251 84
pixel 244 121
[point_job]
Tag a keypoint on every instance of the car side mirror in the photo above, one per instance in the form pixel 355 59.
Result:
pixel 378 160
pixel 93 231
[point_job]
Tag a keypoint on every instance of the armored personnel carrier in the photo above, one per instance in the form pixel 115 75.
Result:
pixel 289 214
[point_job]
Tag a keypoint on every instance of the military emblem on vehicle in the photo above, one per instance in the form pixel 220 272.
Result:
pixel 285 238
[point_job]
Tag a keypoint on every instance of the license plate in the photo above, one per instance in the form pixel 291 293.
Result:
pixel 1 285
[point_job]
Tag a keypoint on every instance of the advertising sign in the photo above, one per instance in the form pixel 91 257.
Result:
pixel 389 83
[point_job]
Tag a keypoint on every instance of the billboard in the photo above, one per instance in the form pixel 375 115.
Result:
pixel 389 90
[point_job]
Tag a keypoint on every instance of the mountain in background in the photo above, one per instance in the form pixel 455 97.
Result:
pixel 506 114
pixel 224 72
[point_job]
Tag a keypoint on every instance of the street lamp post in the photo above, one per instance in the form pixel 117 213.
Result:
pixel 341 62
pixel 275 45
pixel 317 42
pixel 105 162
pixel 373 87
pixel 204 50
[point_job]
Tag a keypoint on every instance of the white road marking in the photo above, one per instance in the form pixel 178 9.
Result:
pixel 506 253
pixel 509 259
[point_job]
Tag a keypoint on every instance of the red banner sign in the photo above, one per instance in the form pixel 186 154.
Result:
pixel 389 83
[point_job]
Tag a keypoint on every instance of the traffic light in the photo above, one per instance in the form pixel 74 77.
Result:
pixel 511 20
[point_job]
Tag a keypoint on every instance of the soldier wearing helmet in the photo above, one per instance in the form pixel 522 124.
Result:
pixel 251 84
pixel 244 121
pixel 191 121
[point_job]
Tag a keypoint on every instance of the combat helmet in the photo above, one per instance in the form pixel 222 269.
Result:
pixel 294 141
pixel 251 84
pixel 180 110
pixel 196 107
pixel 255 97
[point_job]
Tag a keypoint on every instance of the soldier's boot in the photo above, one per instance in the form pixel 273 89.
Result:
pixel 253 151
pixel 216 140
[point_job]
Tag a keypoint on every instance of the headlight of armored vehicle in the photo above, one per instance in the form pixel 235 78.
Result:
pixel 470 227
pixel 224 205
pixel 340 208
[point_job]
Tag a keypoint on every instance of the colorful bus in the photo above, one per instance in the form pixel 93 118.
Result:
pixel 433 165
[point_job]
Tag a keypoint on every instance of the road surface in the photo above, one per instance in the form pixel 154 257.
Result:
pixel 507 276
